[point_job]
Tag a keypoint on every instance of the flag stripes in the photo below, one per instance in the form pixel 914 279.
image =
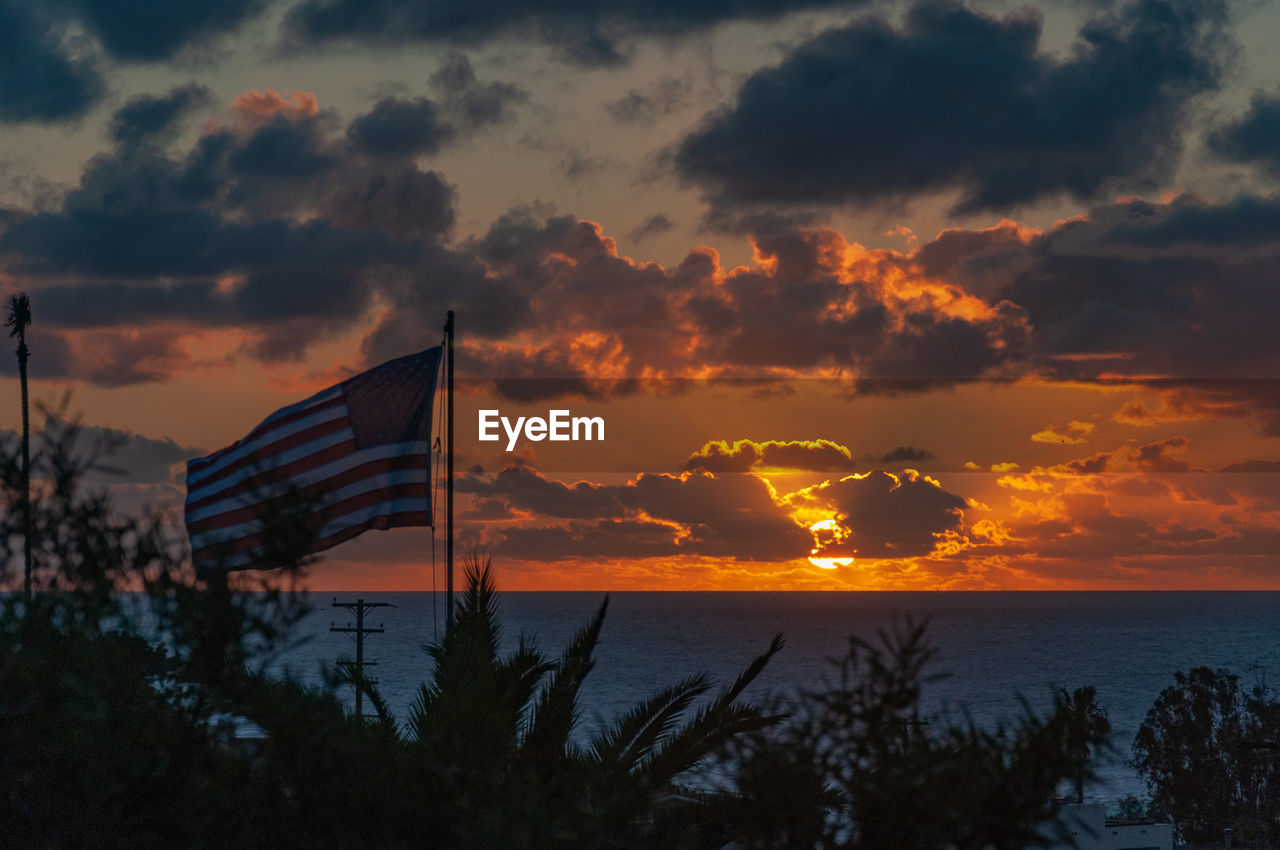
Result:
pixel 353 457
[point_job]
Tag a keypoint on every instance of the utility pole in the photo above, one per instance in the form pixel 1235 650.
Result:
pixel 359 630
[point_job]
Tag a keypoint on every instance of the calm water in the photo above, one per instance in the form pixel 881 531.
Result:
pixel 992 646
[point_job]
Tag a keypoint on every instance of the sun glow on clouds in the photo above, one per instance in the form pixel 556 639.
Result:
pixel 828 528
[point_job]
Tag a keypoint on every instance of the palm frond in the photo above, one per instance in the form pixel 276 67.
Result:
pixel 518 676
pixel 17 313
pixel 713 725
pixel 349 674
pixel 557 707
pixel 633 737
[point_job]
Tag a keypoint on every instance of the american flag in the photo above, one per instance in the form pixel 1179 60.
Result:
pixel 357 456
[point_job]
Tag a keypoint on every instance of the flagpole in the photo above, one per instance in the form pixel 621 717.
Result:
pixel 448 497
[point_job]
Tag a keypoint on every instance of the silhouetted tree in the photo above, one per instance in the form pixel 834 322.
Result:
pixel 117 711
pixel 855 766
pixel 1208 750
pixel 105 738
pixel 1086 725
pixel 17 319
pixel 497 730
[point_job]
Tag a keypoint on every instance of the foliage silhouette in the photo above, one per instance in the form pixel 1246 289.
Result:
pixel 1087 725
pixel 857 767
pixel 501 726
pixel 117 713
pixel 1208 750
pixel 18 318
pixel 117 709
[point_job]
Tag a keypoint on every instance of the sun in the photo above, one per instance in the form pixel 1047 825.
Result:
pixel 832 529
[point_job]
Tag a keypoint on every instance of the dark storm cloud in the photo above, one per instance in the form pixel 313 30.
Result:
pixel 41 79
pixel 1244 222
pixel 282 149
pixel 868 113
pixel 887 516
pixel 50 67
pixel 148 117
pixel 592 34
pixel 270 225
pixel 400 127
pixel 400 199
pixel 1178 295
pixel 1253 137
pixel 1141 292
pixel 142 30
pixel 696 513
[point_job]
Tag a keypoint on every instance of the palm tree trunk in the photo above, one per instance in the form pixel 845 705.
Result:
pixel 26 469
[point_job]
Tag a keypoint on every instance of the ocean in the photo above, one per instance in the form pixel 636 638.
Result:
pixel 994 648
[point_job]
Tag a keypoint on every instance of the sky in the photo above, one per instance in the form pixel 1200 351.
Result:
pixel 869 294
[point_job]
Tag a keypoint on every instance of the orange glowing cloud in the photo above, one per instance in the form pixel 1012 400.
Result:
pixel 253 108
pixel 820 455
pixel 1073 434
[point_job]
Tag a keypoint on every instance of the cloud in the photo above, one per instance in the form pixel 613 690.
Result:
pixel 812 302
pixel 253 107
pixel 744 455
pixel 41 79
pixel 654 225
pixel 592 34
pixel 664 97
pixel 905 454
pixel 1189 223
pixel 120 456
pixel 1267 466
pixel 53 57
pixel 1158 522
pixel 138 30
pixel 269 225
pixel 1253 137
pixel 470 103
pixel 1073 434
pixel 1091 465
pixel 866 114
pixel 1160 456
pixel 402 127
pixel 1132 292
pixel 145 118
pixel 694 513
pixel 885 515
pixel 272 225
pixel 398 127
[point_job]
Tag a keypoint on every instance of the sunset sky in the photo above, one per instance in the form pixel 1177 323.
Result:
pixel 987 292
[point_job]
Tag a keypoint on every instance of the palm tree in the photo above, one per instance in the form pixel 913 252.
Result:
pixel 1086 726
pixel 503 725
pixel 18 317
